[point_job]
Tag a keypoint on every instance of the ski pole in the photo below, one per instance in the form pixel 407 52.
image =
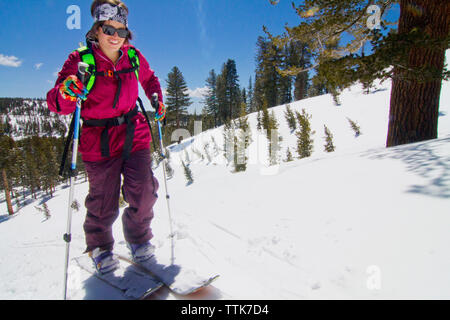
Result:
pixel 155 105
pixel 82 67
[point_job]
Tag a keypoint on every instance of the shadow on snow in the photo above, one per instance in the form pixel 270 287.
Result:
pixel 425 160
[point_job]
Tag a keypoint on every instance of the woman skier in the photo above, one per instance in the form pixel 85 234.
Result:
pixel 115 138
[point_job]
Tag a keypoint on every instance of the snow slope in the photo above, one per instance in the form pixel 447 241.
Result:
pixel 364 222
pixel 27 117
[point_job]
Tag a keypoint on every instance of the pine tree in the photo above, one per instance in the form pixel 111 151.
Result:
pixel 233 89
pixel 259 116
pixel 265 118
pixel 290 118
pixel 274 75
pixel 267 81
pixel 355 127
pixel 222 102
pixel 284 87
pixel 304 135
pixel 228 92
pixel 177 98
pixel 210 101
pixel 250 100
pixel 329 146
pixel 188 173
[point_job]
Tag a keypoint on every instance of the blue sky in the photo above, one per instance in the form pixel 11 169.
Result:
pixel 194 35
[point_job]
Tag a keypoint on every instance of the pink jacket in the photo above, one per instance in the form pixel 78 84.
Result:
pixel 99 104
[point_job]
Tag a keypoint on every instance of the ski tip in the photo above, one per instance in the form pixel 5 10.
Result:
pixel 195 289
pixel 151 291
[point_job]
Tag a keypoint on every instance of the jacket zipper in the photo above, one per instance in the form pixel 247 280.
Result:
pixel 114 67
pixel 109 60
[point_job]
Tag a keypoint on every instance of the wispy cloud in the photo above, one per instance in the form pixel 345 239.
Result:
pixel 9 61
pixel 198 92
pixel 37 66
pixel 201 19
pixel 193 93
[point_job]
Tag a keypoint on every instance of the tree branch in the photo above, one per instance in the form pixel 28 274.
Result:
pixel 355 21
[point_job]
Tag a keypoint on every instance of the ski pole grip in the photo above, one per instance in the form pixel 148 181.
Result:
pixel 82 68
pixel 155 101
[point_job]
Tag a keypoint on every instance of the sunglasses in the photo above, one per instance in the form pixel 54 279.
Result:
pixel 110 31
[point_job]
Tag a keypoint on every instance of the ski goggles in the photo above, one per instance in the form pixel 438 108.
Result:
pixel 110 31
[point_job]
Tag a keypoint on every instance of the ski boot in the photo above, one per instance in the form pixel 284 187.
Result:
pixel 104 260
pixel 141 252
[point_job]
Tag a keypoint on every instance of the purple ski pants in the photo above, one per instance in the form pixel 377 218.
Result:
pixel 102 203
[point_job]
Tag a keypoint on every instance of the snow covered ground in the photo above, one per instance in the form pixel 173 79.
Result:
pixel 363 222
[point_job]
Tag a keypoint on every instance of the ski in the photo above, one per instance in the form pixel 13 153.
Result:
pixel 129 279
pixel 180 280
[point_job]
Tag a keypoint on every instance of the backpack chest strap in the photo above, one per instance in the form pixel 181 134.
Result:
pixel 112 73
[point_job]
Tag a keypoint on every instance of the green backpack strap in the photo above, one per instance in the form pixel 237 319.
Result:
pixel 87 56
pixel 134 59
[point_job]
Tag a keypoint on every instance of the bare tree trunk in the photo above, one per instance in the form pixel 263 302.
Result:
pixel 7 193
pixel 414 108
pixel 300 84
